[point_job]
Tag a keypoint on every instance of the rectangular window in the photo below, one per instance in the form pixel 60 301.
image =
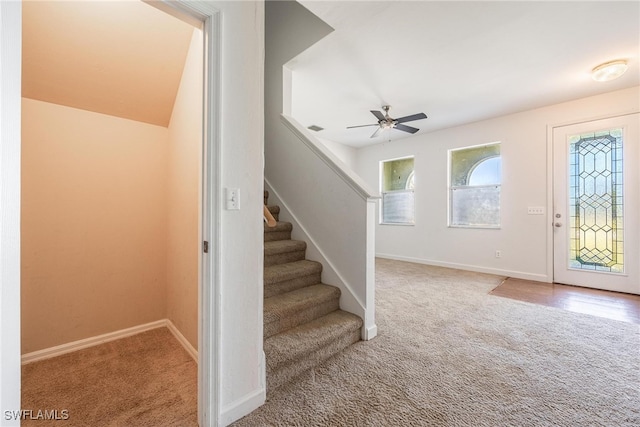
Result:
pixel 397 184
pixel 474 186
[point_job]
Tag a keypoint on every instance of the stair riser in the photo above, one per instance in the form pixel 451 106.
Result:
pixel 276 377
pixel 301 317
pixel 277 235
pixel 283 258
pixel 273 289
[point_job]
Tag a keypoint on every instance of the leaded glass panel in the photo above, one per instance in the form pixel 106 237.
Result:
pixel 596 202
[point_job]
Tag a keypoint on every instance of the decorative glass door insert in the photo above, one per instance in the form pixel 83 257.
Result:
pixel 596 204
pixel 596 201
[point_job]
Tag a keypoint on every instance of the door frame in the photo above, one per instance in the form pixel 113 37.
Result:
pixel 550 176
pixel 209 331
pixel 10 149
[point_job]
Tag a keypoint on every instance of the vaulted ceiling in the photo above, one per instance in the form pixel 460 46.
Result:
pixel 121 58
pixel 456 61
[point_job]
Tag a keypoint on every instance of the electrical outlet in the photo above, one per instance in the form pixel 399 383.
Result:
pixel 233 199
pixel 498 254
pixel 535 210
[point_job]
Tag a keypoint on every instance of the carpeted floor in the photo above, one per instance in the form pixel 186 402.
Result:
pixel 449 354
pixel 147 379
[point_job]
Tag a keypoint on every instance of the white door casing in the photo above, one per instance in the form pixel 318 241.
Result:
pixel 597 239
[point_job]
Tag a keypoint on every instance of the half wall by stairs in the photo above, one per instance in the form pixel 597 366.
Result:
pixel 303 323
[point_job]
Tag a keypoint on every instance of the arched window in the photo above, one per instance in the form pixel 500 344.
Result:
pixel 474 185
pixel 487 171
pixel 411 181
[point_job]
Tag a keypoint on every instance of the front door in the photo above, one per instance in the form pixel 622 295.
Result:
pixel 596 194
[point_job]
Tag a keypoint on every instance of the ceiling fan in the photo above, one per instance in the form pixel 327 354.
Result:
pixel 386 122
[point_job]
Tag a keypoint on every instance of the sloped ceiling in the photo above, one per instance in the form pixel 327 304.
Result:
pixel 456 61
pixel 121 58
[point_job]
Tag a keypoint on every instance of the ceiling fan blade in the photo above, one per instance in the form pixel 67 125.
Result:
pixel 361 126
pixel 411 118
pixel 378 114
pixel 376 133
pixel 406 128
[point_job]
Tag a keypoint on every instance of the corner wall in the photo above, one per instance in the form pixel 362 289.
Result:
pixel 184 191
pixel 524 240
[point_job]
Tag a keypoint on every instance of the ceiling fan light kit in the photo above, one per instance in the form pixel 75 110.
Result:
pixel 386 122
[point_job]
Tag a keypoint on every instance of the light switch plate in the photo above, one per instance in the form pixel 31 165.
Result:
pixel 233 199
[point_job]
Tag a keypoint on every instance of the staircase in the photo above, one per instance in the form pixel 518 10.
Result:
pixel 303 323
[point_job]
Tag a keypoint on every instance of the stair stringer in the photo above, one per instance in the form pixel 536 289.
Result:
pixel 349 301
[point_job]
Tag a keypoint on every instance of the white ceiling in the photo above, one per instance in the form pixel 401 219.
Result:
pixel 121 58
pixel 458 62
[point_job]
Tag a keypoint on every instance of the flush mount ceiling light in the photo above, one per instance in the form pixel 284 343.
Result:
pixel 609 70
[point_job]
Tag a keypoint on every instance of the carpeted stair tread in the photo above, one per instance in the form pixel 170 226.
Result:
pixel 280 226
pixel 295 344
pixel 283 246
pixel 291 270
pixel 288 310
pixel 283 251
pixel 282 231
pixel 287 277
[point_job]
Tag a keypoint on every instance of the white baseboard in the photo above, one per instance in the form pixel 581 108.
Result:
pixel 59 350
pixel 243 406
pixel 476 268
pixel 182 340
pixel 369 333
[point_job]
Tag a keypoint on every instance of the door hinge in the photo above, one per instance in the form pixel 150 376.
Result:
pixel 205 247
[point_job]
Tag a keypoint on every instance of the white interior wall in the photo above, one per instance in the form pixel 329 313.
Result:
pixel 240 258
pixel 524 240
pixel 10 110
pixel 344 152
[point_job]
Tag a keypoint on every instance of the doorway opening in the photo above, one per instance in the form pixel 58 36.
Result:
pixel 112 195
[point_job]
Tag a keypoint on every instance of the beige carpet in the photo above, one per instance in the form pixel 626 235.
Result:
pixel 144 380
pixel 449 354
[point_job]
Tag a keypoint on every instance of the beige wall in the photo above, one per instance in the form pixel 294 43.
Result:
pixel 93 224
pixel 110 218
pixel 183 172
